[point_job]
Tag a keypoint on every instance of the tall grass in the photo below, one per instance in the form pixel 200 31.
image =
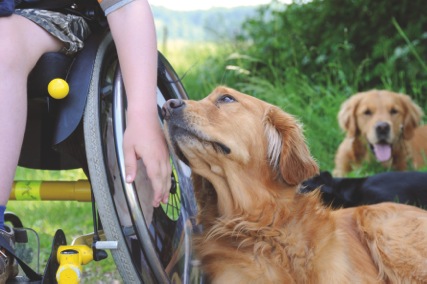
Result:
pixel 201 66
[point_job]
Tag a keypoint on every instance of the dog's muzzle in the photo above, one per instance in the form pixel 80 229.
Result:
pixel 171 107
pixel 382 130
pixel 382 149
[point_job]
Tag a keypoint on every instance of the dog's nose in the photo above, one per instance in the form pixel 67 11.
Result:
pixel 170 106
pixel 382 129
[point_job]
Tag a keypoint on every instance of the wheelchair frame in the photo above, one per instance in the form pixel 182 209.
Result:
pixel 148 245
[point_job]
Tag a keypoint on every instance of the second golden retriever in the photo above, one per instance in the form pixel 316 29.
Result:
pixel 248 158
pixel 380 125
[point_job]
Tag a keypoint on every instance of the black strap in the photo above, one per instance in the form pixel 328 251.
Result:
pixel 31 274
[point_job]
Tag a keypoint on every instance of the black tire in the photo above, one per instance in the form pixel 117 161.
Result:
pixel 153 244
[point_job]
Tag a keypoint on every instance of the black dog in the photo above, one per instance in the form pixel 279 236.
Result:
pixel 402 187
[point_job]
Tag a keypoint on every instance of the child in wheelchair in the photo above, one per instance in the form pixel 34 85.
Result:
pixel 29 33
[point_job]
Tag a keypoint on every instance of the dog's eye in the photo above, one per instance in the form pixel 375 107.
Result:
pixel 367 112
pixel 393 111
pixel 226 99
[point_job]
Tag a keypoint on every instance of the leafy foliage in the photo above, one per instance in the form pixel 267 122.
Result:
pixel 364 44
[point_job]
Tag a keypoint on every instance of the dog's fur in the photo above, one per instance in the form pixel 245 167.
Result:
pixel 380 125
pixel 248 159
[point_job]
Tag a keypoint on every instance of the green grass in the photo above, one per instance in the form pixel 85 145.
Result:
pixel 201 66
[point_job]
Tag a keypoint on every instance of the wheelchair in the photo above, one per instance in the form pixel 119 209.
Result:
pixel 85 131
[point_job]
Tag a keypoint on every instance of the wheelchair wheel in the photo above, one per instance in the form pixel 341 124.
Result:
pixel 154 244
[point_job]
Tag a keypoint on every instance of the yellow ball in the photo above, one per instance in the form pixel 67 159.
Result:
pixel 58 88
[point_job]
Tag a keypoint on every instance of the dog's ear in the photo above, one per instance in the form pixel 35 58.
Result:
pixel 287 152
pixel 412 116
pixel 347 116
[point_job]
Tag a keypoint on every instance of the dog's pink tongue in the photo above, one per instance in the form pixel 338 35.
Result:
pixel 382 152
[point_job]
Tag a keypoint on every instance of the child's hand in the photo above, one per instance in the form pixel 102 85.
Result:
pixel 144 140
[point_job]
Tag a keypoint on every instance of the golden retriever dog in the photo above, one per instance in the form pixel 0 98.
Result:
pixel 382 125
pixel 248 158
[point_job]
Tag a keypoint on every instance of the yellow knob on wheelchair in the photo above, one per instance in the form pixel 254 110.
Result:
pixel 58 88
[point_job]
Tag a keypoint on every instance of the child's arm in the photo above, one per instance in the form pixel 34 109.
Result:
pixel 133 30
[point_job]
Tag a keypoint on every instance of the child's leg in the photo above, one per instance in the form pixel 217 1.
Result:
pixel 25 43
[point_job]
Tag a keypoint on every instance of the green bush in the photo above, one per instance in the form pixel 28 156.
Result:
pixel 363 44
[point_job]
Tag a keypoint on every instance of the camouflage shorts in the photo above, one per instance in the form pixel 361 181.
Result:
pixel 70 29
